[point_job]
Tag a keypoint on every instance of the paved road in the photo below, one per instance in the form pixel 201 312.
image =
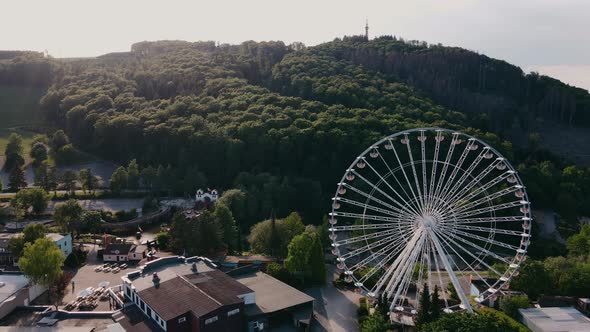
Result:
pixel 335 309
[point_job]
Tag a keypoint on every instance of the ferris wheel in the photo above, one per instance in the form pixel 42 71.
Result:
pixel 430 207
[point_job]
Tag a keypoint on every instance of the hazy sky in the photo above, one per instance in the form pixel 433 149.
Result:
pixel 550 36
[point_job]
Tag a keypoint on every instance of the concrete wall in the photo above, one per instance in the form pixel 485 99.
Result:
pixel 18 299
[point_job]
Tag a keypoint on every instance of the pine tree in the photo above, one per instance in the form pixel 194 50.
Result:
pixel 424 307
pixel 16 180
pixel 318 266
pixel 435 305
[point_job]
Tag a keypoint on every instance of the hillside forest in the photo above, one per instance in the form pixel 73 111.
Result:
pixel 282 122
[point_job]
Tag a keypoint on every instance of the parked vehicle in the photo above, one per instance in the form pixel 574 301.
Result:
pixel 123 266
pixel 116 270
pixel 98 268
pixel 107 270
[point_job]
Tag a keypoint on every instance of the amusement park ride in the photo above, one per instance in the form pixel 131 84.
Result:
pixel 431 207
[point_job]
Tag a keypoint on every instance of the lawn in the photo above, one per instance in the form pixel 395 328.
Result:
pixel 19 106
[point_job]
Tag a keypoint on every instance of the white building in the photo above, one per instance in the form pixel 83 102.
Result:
pixel 211 195
pixel 63 241
pixel 123 252
pixel 557 319
pixel 15 290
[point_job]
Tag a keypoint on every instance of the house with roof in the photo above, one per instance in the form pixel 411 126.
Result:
pixel 191 294
pixel 7 258
pixel 123 252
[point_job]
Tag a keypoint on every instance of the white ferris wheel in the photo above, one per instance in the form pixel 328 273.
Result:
pixel 430 207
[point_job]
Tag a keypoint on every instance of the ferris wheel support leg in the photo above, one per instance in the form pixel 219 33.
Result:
pixel 449 268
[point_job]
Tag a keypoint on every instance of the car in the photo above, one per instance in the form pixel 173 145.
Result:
pixel 114 265
pixel 107 270
pixel 123 266
pixel 98 268
pixel 116 270
pixel 106 265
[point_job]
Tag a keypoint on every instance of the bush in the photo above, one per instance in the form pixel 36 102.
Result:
pixel 76 259
pixel 510 304
pixel 163 240
pixel 123 215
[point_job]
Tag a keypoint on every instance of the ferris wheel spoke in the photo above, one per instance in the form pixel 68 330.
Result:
pixel 420 270
pixel 460 221
pixel 489 230
pixel 381 191
pixel 377 200
pixel 410 185
pixel 443 292
pixel 405 277
pixel 466 263
pixel 481 238
pixel 368 206
pixel 479 260
pixel 365 237
pixel 362 227
pixel 377 266
pixel 466 194
pixel 407 197
pixel 465 174
pixel 480 248
pixel 392 248
pixel 446 164
pixel 403 256
pixel 420 196
pixel 485 199
pixel 456 168
pixel 439 138
pixel 367 217
pixel 422 140
pixel 369 247
pixel 455 281
pixel 492 208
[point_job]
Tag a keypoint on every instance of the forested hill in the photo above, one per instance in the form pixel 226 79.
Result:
pixel 283 122
pixel 466 81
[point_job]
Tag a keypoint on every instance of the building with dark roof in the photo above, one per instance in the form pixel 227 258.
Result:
pixel 188 295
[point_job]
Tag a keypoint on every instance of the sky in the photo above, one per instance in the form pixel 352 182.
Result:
pixel 548 36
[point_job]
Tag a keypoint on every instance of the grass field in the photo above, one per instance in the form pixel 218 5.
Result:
pixel 19 106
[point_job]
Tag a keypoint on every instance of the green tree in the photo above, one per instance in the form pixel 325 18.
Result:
pixel 510 304
pixel 299 257
pixel 133 174
pixel 533 279
pixel 118 180
pixel 579 244
pixel 39 153
pixel 36 199
pixel 91 221
pixel 58 140
pixel 318 266
pixel 30 234
pixel 424 307
pixel 163 240
pixel 228 225
pixel 14 152
pixel 263 235
pixel 376 323
pixel 68 216
pixel 16 179
pixel 149 177
pixel 41 262
pixel 69 179
pixel 88 181
pixel 435 310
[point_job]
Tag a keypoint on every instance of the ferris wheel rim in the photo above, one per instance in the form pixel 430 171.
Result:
pixel 512 267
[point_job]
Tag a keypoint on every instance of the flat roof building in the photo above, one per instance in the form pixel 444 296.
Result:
pixel 554 319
